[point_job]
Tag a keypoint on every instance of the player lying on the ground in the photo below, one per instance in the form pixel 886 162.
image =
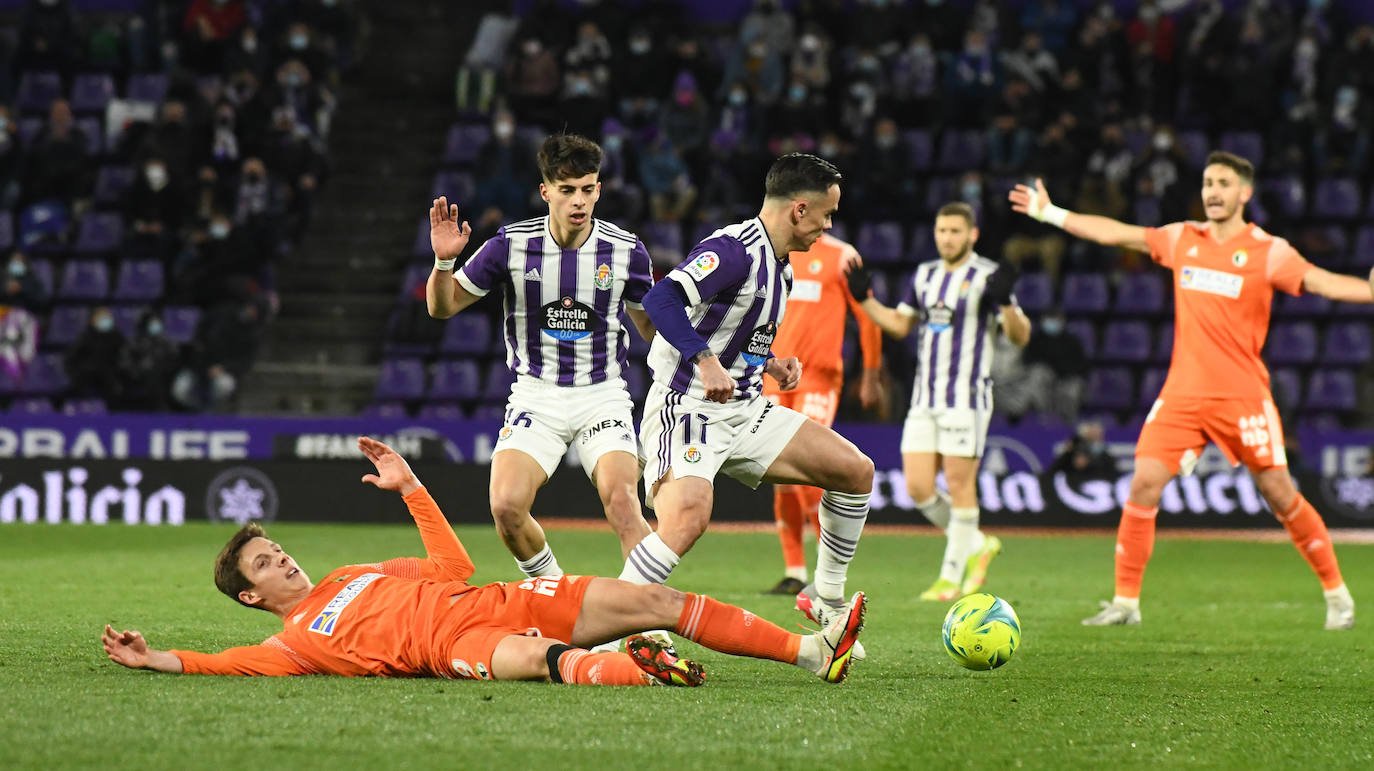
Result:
pixel 412 617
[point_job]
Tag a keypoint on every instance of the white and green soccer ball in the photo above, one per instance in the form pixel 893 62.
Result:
pixel 981 632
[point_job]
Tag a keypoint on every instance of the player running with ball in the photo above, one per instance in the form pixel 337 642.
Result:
pixel 1225 273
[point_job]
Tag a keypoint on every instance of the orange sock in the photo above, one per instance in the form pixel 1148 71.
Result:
pixel 733 630
pixel 1308 531
pixel 787 511
pixel 1135 541
pixel 587 668
pixel 811 506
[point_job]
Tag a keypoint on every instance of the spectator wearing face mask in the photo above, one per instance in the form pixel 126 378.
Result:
pixel 621 199
pixel 300 43
pixel 311 104
pixel 208 30
pixel 225 345
pixel 771 24
pixel 811 62
pixel 247 52
pixel 760 68
pixel 220 264
pixel 915 82
pixel 154 207
pixel 582 103
pixel 640 78
pixel 505 169
pixel 686 121
pixel 297 157
pixel 56 165
pixel 21 287
pixel 92 361
pixel 800 111
pixel 1086 454
pixel 11 159
pixel 532 81
pixel 336 23
pixel 146 365
pixel 884 186
pixel 172 141
pixel 1056 368
pixel 666 180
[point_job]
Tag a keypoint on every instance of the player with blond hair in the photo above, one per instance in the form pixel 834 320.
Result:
pixel 1225 271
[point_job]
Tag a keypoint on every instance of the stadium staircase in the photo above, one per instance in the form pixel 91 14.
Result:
pixel 337 292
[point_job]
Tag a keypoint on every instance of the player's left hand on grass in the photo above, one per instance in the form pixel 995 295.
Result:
pixel 393 473
pixel 999 286
pixel 126 648
pixel 786 371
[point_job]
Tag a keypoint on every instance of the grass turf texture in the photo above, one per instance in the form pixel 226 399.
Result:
pixel 1231 667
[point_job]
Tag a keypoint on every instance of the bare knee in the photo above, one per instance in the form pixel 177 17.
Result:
pixel 622 510
pixel 509 510
pixel 1277 489
pixel 662 604
pixel 1147 488
pixel 682 529
pixel 920 491
pixel 857 475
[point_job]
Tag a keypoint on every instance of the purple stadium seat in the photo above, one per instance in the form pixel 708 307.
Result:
pixel 43 270
pixel 6 231
pixel 37 90
pixel 65 325
pixel 1305 304
pixel 84 407
pixel 1109 388
pixel 91 92
pixel 920 146
pixel 126 318
pixel 961 150
pixel 441 412
pixel 1035 292
pixel 1330 389
pixel 938 192
pixel 1147 211
pixel 1286 387
pixel 31 405
pixel 1289 192
pixel 492 412
pixel 1292 343
pixel 1086 332
pixel 1141 293
pixel 112 182
pixel 421 247
pixel 663 236
pixel 1346 343
pixel 1164 345
pixel 401 379
pixel 1336 199
pixel 454 381
pixel 385 410
pixel 179 323
pixel 880 242
pixel 147 87
pixel 138 281
pixel 1362 254
pixel 415 277
pixel 43 226
pixel 459 186
pixel 1195 147
pixel 1126 341
pixel 1247 144
pixel 463 143
pixel 498 381
pixel 1150 385
pixel 85 280
pixel 100 233
pixel 1085 293
pixel 45 376
pixel 467 334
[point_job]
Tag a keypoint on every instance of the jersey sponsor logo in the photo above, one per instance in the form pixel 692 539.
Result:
pixel 545 585
pixel 532 275
pixel 940 317
pixel 815 266
pixel 761 293
pixel 691 455
pixel 1217 282
pixel 568 319
pixel 758 422
pixel 604 278
pixel 704 264
pixel 1239 258
pixel 806 290
pixel 329 616
pixel 760 342
pixel 599 427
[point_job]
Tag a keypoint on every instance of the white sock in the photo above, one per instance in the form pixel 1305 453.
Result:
pixel 650 562
pixel 962 539
pixel 842 521
pixel 541 564
pixel 936 509
pixel 1128 602
pixel 1340 593
pixel 798 573
pixel 809 653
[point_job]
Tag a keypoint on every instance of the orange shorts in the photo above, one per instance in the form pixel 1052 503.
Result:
pixel 819 405
pixel 1246 430
pixel 547 606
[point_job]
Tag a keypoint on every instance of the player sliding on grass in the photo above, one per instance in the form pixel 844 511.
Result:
pixel 413 617
pixel 1225 271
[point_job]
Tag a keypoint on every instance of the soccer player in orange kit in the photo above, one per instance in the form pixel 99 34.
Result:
pixel 413 617
pixel 813 331
pixel 1225 273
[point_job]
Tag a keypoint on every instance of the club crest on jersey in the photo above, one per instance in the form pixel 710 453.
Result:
pixel 964 287
pixel 506 431
pixel 703 265
pixel 691 455
pixel 568 319
pixel 760 342
pixel 1239 258
pixel 603 279
pixel 329 615
pixel 815 266
pixel 939 318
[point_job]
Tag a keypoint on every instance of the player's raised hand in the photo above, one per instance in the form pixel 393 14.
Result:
pixel 446 236
pixel 717 383
pixel 393 473
pixel 126 648
pixel 1029 201
pixel 786 371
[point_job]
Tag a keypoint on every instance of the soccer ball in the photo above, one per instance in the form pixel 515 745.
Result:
pixel 981 631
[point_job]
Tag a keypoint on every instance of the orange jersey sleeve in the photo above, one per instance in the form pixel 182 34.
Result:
pixel 1162 242
pixel 271 659
pixel 813 326
pixel 1286 268
pixel 447 559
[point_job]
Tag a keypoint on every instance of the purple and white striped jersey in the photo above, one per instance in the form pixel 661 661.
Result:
pixel 565 308
pixel 737 291
pixel 954 350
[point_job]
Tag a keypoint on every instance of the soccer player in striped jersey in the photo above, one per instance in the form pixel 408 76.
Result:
pixel 410 617
pixel 959 301
pixel 716 316
pixel 567 280
pixel 1225 273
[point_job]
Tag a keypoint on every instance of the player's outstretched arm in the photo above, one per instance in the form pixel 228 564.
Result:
pixel 444 296
pixel 1338 287
pixel 1035 203
pixel 448 560
pixel 890 320
pixel 128 648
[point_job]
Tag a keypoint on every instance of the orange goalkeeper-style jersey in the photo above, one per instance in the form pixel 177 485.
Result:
pixel 1222 296
pixel 397 618
pixel 813 328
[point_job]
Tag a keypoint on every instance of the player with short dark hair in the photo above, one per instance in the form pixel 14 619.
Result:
pixel 413 617
pixel 1225 273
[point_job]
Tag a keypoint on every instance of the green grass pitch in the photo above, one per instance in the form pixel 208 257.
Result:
pixel 1230 669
